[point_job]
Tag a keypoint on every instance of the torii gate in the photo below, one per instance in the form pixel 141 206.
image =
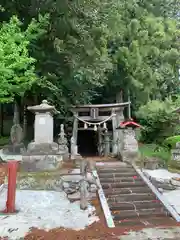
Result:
pixel 98 115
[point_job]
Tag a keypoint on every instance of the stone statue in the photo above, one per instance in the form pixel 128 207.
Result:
pixel 16 145
pixel 62 141
pixel 74 152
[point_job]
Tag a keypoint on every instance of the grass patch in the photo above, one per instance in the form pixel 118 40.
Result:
pixel 153 150
pixel 4 141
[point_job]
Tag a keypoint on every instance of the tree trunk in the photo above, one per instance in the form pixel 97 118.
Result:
pixel 16 113
pixel 1 120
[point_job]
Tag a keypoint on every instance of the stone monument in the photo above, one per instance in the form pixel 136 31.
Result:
pixel 42 153
pixel 175 155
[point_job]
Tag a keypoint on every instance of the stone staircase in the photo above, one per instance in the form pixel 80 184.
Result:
pixel 130 200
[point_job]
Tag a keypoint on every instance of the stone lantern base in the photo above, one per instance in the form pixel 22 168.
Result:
pixel 41 157
pixel 34 163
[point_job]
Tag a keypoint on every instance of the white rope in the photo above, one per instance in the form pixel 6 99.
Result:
pixel 99 123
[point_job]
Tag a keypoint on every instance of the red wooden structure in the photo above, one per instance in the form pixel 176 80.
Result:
pixel 129 123
pixel 11 194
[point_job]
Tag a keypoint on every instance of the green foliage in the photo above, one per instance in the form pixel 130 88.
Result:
pixel 17 67
pixel 171 141
pixel 158 119
pixel 153 150
pixel 4 141
pixel 98 47
pixel 146 51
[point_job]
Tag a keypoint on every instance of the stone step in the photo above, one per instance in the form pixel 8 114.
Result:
pixel 111 175
pixel 135 205
pixel 130 197
pixel 112 166
pixel 144 222
pixel 138 214
pixel 120 179
pixel 127 190
pixel 115 170
pixel 123 185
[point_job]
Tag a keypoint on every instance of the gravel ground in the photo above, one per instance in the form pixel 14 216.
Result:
pixel 154 234
pixel 45 210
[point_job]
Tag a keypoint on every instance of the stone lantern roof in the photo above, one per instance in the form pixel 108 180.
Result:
pixel 43 107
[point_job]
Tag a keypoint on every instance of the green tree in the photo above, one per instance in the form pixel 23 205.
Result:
pixel 146 51
pixel 159 119
pixel 98 47
pixel 73 57
pixel 17 67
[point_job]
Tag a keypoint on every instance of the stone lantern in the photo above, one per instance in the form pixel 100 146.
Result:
pixel 43 153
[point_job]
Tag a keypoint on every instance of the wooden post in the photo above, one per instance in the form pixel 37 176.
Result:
pixel 11 195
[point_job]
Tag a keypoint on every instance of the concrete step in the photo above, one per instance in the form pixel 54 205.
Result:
pixel 107 185
pixel 143 189
pixel 135 205
pixel 120 179
pixel 130 197
pixel 138 214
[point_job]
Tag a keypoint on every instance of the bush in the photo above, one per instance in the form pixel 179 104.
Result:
pixel 171 141
pixel 158 119
pixel 4 141
pixel 153 150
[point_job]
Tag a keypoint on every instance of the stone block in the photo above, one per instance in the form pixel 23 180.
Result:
pixel 42 148
pixel 76 196
pixel 130 156
pixel 35 163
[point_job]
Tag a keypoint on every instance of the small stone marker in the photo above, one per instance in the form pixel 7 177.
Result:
pixel 175 153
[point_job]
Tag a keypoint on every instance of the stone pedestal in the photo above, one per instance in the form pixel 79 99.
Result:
pixel 37 162
pixel 42 153
pixel 130 146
